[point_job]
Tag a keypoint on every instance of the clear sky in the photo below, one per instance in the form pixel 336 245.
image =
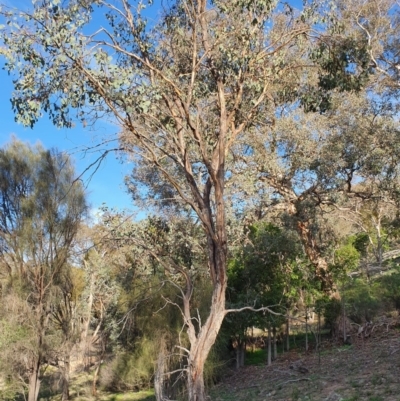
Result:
pixel 106 185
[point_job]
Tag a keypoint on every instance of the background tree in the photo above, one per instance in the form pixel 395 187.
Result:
pixel 263 272
pixel 41 208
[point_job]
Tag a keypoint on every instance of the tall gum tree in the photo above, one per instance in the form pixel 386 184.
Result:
pixel 182 92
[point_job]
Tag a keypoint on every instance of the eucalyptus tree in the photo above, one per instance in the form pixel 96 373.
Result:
pixel 182 91
pixel 322 168
pixel 41 208
pixel 313 164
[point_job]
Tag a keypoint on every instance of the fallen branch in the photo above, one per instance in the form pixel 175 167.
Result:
pixel 294 380
pixel 246 387
pixel 285 372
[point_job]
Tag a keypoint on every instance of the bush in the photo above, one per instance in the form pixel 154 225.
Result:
pixel 332 309
pixel 363 300
pixel 131 371
pixel 391 289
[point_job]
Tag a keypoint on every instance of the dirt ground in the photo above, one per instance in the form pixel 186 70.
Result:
pixel 366 370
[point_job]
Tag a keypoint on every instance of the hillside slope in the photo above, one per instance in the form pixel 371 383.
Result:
pixel 368 370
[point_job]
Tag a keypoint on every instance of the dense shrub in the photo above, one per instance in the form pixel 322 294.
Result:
pixel 363 300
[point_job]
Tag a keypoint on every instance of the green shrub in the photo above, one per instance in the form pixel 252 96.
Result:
pixel 131 371
pixel 363 300
pixel 332 309
pixel 391 289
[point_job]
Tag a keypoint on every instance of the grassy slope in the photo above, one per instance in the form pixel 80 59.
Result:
pixel 366 371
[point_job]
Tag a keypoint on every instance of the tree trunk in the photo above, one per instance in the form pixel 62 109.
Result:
pixel 344 321
pixel 319 330
pixel 95 377
pixel 306 329
pixel 34 383
pixel 34 378
pixel 318 261
pixel 86 321
pixel 243 353
pixel 160 371
pixel 202 343
pixel 275 344
pixel 98 367
pixel 269 345
pixel 65 371
pixel 287 333
pixel 240 353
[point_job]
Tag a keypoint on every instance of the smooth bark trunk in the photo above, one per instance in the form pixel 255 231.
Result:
pixel 98 367
pixel 306 329
pixel 65 378
pixel 34 383
pixel 275 343
pixel 95 377
pixel 240 353
pixel 86 322
pixel 287 334
pixel 202 343
pixel 269 360
pixel 34 379
pixel 159 387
